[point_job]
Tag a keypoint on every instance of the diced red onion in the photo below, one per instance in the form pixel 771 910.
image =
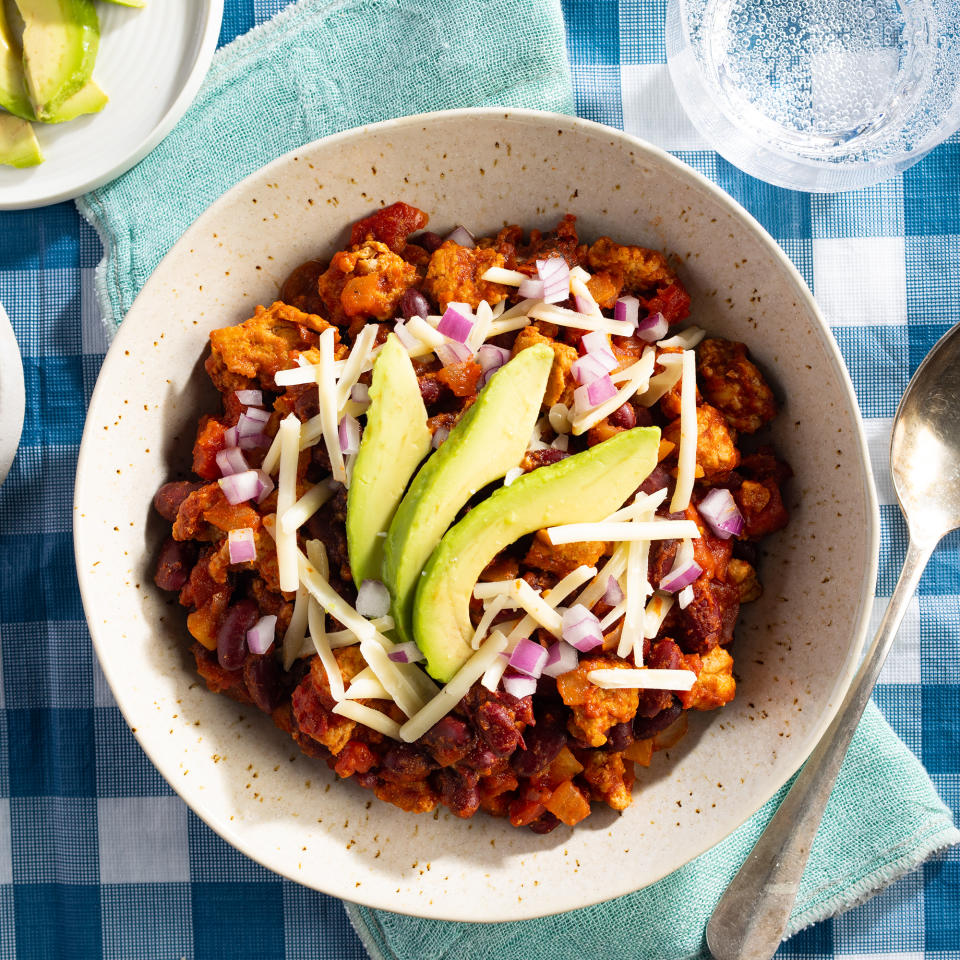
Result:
pixel 595 341
pixel 519 685
pixel 614 592
pixel 455 325
pixel 253 398
pixel 440 434
pixel 590 367
pixel 360 393
pixel 349 432
pixel 555 275
pixel 561 658
pixel 260 635
pixel 491 357
pixel 265 485
pixel 406 653
pixel 684 571
pixel 373 599
pixel 451 353
pixel 409 341
pixel 562 442
pixel 231 461
pixel 585 303
pixel 625 310
pixel 653 328
pixel 240 545
pixel 230 436
pixel 528 657
pixel 460 234
pixel 720 511
pixel 256 414
pixel 254 441
pixel 239 487
pixel 414 304
pixel 531 289
pixel 247 426
pixel 581 629
pixel 600 391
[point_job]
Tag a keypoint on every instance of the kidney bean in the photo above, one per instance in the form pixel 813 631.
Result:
pixel 543 458
pixel 480 758
pixel 429 390
pixel 174 564
pixel 544 823
pixel 624 417
pixel 542 742
pixel 428 240
pixel 646 727
pixel 458 790
pixel 307 402
pixel 642 416
pixel 746 550
pixel 619 737
pixel 167 500
pixel 232 635
pixel 657 480
pixel 414 304
pixel 449 740
pixel 665 655
pixel 495 723
pixel 262 677
pixel 407 763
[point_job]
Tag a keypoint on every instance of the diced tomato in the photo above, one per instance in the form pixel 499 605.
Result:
pixel 461 378
pixel 565 766
pixel 672 301
pixel 210 441
pixel 356 757
pixel 391 225
pixel 640 751
pixel 568 804
pixel 228 516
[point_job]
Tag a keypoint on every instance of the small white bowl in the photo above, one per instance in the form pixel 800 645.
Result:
pixel 795 649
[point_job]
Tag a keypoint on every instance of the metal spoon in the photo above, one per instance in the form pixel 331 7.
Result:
pixel 749 921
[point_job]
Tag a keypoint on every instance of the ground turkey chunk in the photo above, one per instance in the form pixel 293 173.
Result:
pixel 257 348
pixel 715 685
pixel 562 559
pixel 641 269
pixel 455 272
pixel 365 282
pixel 595 710
pixel 560 385
pixel 734 385
pixel 717 453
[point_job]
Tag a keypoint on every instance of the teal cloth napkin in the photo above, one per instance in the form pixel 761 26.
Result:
pixel 884 819
pixel 320 67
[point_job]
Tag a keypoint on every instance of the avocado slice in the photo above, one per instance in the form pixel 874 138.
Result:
pixel 88 99
pixel 60 41
pixel 139 4
pixel 18 142
pixel 580 489
pixel 491 438
pixel 395 440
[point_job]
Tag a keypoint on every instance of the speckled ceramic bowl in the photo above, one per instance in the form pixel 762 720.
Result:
pixel 795 650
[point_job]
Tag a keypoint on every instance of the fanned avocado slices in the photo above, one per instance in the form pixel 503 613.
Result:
pixel 18 142
pixel 583 488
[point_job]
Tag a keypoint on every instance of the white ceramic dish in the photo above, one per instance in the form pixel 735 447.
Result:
pixel 796 648
pixel 151 63
pixel 11 394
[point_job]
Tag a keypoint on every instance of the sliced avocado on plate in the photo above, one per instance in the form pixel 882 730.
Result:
pixel 489 440
pixel 395 441
pixel 60 40
pixel 13 89
pixel 583 488
pixel 18 142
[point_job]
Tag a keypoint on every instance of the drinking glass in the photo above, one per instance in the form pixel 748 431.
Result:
pixel 818 95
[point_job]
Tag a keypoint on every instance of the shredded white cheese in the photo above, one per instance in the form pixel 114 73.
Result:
pixel 289 434
pixel 614 567
pixel 509 278
pixel 637 377
pixel 347 638
pixel 618 531
pixel 455 690
pixel 366 686
pixel 423 331
pixel 519 593
pixel 613 616
pixel 559 417
pixel 494 673
pixel 272 460
pixel 305 507
pixel 490 611
pixel 359 354
pixel 369 717
pixel 637 590
pixel 663 382
pixel 687 339
pixel 327 389
pixel 295 376
pixel 553 598
pixel 481 326
pixel 644 679
pixel 581 321
pixel 579 289
pixel 293 639
pixel 643 504
pixel 332 602
pixel 400 689
pixel 687 455
pixel 656 612
pixel 507 323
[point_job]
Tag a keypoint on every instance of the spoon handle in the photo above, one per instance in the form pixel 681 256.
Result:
pixel 749 921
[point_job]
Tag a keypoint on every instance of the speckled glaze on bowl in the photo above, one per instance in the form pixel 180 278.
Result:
pixel 795 649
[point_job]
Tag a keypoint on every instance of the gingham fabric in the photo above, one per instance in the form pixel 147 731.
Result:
pixel 98 857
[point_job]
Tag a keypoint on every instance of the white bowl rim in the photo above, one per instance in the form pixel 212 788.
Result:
pixel 276 863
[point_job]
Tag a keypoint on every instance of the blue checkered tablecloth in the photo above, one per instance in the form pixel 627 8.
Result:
pixel 98 857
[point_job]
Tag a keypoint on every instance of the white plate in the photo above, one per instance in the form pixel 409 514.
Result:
pixel 796 647
pixel 151 63
pixel 11 394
